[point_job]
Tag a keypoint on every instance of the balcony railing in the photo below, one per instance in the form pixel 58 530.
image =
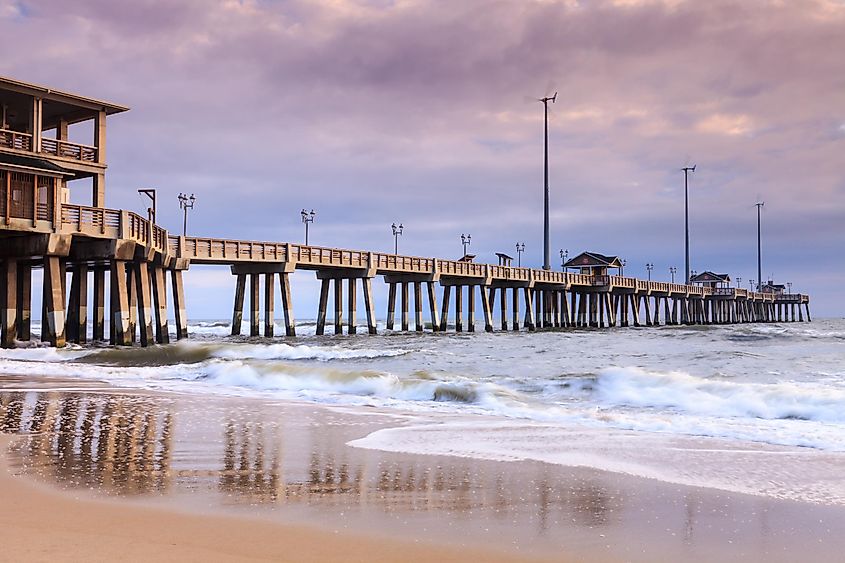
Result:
pixel 15 140
pixel 66 149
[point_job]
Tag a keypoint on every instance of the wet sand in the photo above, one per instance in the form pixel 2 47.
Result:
pixel 97 473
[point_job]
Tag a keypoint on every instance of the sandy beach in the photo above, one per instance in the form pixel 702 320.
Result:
pixel 143 475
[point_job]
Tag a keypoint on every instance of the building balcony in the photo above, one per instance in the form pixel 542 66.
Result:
pixel 49 147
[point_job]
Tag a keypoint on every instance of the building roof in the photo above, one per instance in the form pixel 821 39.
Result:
pixel 709 276
pixel 32 165
pixel 58 95
pixel 772 285
pixel 592 259
pixel 467 258
pixel 503 255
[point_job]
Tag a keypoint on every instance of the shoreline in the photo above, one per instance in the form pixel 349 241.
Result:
pixel 287 467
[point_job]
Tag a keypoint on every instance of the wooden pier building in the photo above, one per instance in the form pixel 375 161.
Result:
pixel 131 258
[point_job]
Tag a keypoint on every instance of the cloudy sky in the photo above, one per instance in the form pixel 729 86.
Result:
pixel 420 111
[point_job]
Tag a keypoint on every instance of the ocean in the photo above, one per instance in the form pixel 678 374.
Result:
pixel 757 409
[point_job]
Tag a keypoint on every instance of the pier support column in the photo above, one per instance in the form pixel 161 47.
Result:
pixel 564 310
pixel 648 321
pixel 77 309
pixel 54 271
pixel 432 307
pixel 132 290
pixel 338 306
pixel 471 308
pixel 459 309
pixel 9 322
pixel 179 305
pixel 254 305
pixel 418 307
pixel 369 305
pixel 391 305
pixel 24 308
pixel 444 316
pixel 503 307
pixel 159 283
pixel 238 309
pixel 269 305
pixel 145 317
pixel 352 305
pixel 488 310
pixel 287 304
pixel 99 317
pixel 529 310
pixel 404 312
pixel 323 307
pixel 119 297
pixel 515 308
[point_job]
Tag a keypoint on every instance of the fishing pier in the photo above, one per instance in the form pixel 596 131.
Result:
pixel 132 259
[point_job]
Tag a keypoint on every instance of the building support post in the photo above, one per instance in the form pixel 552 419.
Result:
pixel 24 308
pixel 9 324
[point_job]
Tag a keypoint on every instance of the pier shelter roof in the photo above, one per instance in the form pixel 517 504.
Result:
pixel 594 260
pixel 709 277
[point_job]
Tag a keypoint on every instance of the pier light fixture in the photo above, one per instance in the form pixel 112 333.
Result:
pixel 186 203
pixel 622 269
pixel 307 218
pixel 687 170
pixel 649 267
pixel 397 232
pixel 545 100
pixel 789 285
pixel 673 270
pixel 151 211
pixel 520 248
pixel 738 281
pixel 751 284
pixel 564 258
pixel 466 241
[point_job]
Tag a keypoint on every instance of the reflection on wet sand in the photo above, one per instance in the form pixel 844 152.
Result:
pixel 115 444
pixel 254 455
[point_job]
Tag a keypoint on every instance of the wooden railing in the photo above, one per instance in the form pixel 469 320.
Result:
pixel 91 220
pixel 15 140
pixel 66 149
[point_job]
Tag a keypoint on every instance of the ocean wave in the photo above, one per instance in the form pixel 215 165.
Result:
pixel 635 387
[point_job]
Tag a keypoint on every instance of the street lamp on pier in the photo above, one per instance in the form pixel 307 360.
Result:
pixel 673 270
pixel 465 240
pixel 751 284
pixel 649 267
pixel 789 285
pixel 520 248
pixel 186 203
pixel 151 211
pixel 307 218
pixel 397 231
pixel 624 263
pixel 564 258
pixel 738 281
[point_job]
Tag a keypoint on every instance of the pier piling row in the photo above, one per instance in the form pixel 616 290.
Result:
pixel 122 253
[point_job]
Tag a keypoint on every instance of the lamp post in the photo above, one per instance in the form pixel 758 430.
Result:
pixel 465 240
pixel 738 282
pixel 546 260
pixel 687 170
pixel 649 267
pixel 307 218
pixel 151 211
pixel 520 248
pixel 673 270
pixel 624 263
pixel 789 285
pixel 186 203
pixel 564 258
pixel 751 285
pixel 759 206
pixel 397 231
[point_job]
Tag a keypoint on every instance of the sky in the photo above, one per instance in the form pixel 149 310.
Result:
pixel 424 112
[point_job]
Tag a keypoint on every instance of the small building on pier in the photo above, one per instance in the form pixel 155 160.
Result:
pixel 504 259
pixel 37 157
pixel 711 280
pixel 593 263
pixel 772 287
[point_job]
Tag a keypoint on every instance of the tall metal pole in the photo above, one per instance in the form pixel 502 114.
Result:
pixel 546 256
pixel 687 170
pixel 759 248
